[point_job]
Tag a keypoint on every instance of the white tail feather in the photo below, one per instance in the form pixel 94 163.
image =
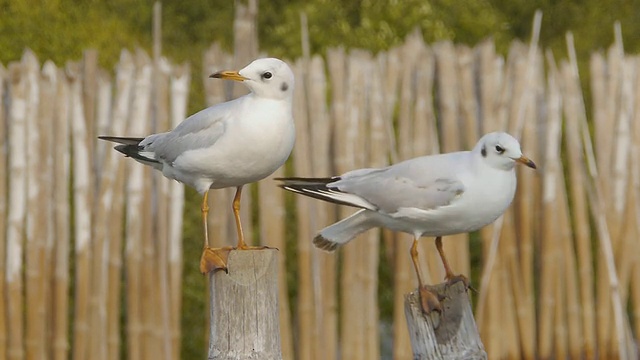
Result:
pixel 343 231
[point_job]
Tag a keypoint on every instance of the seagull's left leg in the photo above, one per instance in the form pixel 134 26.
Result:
pixel 449 275
pixel 429 300
pixel 212 258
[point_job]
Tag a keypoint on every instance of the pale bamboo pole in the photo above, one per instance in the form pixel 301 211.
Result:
pixel 377 147
pixel 582 231
pixel 3 209
pixel 101 224
pixel 548 255
pixel 17 210
pixel 135 212
pixel 509 346
pixel 351 151
pixel 621 179
pixel 301 156
pixel 526 208
pixel 596 198
pixel 572 321
pixel 35 241
pixel 324 264
pixel 404 279
pixel 61 178
pixel 47 115
pixel 89 70
pixel 468 97
pixel 180 80
pixel 82 214
pixel 455 246
pixel 124 81
pixel 159 239
pixel 635 171
pixel 338 72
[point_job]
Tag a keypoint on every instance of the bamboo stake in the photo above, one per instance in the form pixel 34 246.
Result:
pixel 3 208
pixel 100 236
pixel 17 211
pixel 549 255
pixel 351 152
pixel 35 241
pixel 60 298
pixel 47 115
pixel 324 264
pixel 301 156
pixel 135 209
pixel 180 80
pixel 468 97
pixel 82 217
pixel 635 171
pixel 89 72
pixel 125 72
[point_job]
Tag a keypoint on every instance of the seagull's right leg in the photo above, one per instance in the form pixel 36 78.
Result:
pixel 212 258
pixel 428 300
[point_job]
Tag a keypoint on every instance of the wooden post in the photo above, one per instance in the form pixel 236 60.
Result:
pixel 450 335
pixel 244 308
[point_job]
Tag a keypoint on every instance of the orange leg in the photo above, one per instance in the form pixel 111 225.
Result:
pixel 449 275
pixel 428 300
pixel 236 215
pixel 211 259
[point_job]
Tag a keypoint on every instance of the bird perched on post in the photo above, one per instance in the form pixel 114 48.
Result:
pixel 433 195
pixel 226 145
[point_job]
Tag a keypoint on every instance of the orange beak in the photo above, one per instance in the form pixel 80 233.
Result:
pixel 228 75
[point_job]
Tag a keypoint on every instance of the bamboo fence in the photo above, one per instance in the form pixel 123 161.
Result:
pixel 91 254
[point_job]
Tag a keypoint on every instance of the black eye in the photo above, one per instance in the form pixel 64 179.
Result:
pixel 499 149
pixel 267 75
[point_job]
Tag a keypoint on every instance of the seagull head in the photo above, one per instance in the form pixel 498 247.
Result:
pixel 268 77
pixel 502 151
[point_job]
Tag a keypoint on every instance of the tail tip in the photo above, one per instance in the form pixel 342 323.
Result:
pixel 325 244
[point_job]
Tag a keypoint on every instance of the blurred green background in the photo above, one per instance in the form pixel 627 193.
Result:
pixel 61 29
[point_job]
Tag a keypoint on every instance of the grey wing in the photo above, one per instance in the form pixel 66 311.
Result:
pixel 198 131
pixel 394 188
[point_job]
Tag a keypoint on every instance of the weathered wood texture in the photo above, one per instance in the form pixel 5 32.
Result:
pixel 244 308
pixel 450 335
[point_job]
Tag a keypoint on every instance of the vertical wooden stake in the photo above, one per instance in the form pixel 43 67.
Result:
pixel 244 308
pixel 450 335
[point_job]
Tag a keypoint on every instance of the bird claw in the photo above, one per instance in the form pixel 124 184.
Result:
pixel 429 301
pixel 214 259
pixel 453 279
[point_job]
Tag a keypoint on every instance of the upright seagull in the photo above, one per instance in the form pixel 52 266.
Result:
pixel 434 195
pixel 226 145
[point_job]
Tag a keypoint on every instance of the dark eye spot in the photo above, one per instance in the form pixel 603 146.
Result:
pixel 499 149
pixel 284 86
pixel 267 75
pixel 483 151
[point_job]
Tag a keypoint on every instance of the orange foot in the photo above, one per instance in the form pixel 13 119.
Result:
pixel 452 279
pixel 214 259
pixel 429 301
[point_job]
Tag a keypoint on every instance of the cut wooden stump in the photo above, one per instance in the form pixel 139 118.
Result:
pixel 450 335
pixel 244 307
